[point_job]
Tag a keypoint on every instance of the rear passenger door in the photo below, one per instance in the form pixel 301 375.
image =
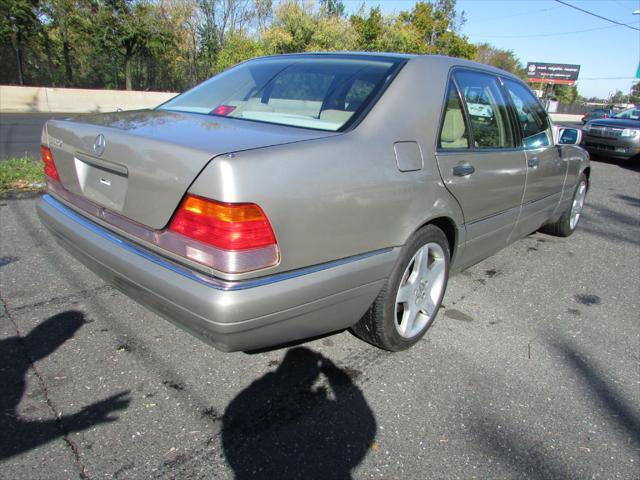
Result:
pixel 546 170
pixel 480 161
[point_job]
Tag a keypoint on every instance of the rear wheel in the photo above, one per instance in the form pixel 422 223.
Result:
pixel 568 222
pixel 407 306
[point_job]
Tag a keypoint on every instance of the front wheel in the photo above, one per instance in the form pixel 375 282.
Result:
pixel 407 306
pixel 568 222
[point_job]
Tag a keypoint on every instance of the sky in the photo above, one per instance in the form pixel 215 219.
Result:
pixel 542 31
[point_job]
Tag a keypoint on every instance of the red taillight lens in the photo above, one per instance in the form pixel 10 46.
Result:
pixel 606 115
pixel 50 169
pixel 223 110
pixel 230 226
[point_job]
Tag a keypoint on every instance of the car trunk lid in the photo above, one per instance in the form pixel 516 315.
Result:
pixel 140 163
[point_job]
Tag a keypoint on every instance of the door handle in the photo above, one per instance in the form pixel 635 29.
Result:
pixel 533 163
pixel 463 170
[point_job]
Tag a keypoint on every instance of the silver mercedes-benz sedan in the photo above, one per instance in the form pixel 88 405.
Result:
pixel 297 195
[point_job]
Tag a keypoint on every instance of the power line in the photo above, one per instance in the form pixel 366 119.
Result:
pixel 597 16
pixel 626 7
pixel 547 34
pixel 518 14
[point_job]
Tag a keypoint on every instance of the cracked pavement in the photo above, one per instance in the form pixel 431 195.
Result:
pixel 532 370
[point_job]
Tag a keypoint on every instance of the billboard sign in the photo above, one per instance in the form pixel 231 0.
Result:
pixel 555 73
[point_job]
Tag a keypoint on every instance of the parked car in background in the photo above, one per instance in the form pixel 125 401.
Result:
pixel 615 137
pixel 598 113
pixel 297 195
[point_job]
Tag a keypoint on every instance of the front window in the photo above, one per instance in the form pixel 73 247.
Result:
pixel 531 116
pixel 313 92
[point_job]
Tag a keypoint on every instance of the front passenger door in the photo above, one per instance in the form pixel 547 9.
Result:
pixel 546 170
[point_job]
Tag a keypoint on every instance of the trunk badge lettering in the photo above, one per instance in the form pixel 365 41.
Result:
pixel 99 145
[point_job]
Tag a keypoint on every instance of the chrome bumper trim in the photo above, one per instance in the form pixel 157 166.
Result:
pixel 212 282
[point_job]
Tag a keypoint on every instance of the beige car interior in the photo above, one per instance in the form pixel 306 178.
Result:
pixel 453 130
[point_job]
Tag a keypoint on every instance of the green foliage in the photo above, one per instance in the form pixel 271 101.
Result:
pixel 504 59
pixel 368 30
pixel 297 27
pixel 21 174
pixel 618 97
pixel 332 8
pixel 174 44
pixel 634 94
pixel 565 93
pixel 237 48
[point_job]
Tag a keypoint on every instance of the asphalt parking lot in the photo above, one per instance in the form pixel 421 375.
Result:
pixel 532 370
pixel 20 133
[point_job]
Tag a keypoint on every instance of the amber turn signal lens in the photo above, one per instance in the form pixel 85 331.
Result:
pixel 230 226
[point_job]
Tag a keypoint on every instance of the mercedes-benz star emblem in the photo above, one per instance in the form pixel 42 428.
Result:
pixel 99 145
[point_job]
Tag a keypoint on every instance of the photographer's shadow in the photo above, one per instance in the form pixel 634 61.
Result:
pixel 305 420
pixel 19 434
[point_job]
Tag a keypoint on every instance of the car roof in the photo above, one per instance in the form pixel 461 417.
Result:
pixel 441 61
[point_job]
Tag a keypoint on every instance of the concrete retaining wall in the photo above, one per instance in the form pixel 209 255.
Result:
pixel 565 117
pixel 76 100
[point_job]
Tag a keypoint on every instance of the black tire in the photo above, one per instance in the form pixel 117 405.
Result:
pixel 378 325
pixel 563 227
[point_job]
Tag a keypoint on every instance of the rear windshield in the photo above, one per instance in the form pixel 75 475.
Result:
pixel 318 93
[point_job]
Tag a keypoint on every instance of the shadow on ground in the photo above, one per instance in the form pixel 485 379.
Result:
pixel 629 164
pixel 17 355
pixel 532 455
pixel 307 419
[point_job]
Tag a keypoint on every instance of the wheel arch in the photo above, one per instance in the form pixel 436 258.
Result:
pixel 448 227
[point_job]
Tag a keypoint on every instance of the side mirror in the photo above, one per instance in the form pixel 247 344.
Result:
pixel 569 136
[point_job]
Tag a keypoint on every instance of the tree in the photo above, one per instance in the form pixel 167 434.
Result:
pixel 618 97
pixel 368 29
pixel 566 94
pixel 174 44
pixel 263 13
pixel 431 28
pixel 237 48
pixel 332 8
pixel 18 22
pixel 634 94
pixel 131 28
pixel 497 57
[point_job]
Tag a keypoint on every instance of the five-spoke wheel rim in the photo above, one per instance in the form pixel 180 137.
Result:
pixel 578 202
pixel 420 291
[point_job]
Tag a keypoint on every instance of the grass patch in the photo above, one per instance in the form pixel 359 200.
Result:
pixel 21 174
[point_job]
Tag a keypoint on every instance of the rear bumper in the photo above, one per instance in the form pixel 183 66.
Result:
pixel 242 315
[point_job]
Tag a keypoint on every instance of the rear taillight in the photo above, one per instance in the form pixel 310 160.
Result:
pixel 229 226
pixel 229 237
pixel 606 115
pixel 50 169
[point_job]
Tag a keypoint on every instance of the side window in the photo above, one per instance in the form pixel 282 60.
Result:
pixel 487 110
pixel 531 115
pixel 357 94
pixel 454 130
